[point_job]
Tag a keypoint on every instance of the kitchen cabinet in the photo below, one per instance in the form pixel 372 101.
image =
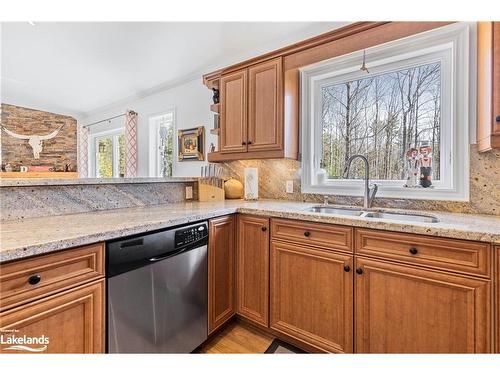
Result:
pixel 406 309
pixel 265 107
pixel 73 321
pixel 252 269
pixel 59 295
pixel 496 301
pixel 312 295
pixel 488 85
pixel 233 116
pixel 221 271
pixel 251 115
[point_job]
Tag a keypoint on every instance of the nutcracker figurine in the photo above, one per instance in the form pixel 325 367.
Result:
pixel 412 167
pixel 425 166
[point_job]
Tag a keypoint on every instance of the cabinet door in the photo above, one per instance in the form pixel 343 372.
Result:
pixel 311 296
pixel 233 121
pixel 496 301
pixel 402 309
pixel 265 106
pixel 221 259
pixel 73 321
pixel 253 269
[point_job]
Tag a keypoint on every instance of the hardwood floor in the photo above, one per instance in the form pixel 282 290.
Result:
pixel 237 338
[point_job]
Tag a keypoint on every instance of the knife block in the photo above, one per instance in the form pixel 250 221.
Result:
pixel 209 190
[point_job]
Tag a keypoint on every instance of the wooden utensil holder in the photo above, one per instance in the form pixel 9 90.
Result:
pixel 210 189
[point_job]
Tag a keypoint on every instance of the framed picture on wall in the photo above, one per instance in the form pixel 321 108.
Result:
pixel 191 143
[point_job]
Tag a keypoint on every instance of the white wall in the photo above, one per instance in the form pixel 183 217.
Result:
pixel 191 101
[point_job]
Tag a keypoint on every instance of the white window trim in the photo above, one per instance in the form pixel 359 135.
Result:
pixel 94 137
pixel 153 141
pixel 450 45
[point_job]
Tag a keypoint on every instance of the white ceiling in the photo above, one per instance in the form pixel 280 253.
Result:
pixel 76 68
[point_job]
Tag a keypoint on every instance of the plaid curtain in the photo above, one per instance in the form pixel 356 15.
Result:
pixel 131 144
pixel 83 157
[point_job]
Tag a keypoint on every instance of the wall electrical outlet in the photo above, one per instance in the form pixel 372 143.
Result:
pixel 289 186
pixel 189 192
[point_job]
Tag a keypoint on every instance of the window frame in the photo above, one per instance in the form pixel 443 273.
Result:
pixel 94 138
pixel 448 45
pixel 154 154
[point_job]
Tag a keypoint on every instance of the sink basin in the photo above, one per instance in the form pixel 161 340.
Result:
pixel 336 211
pixel 373 214
pixel 401 216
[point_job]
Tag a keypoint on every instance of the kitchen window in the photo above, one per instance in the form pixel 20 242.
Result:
pixel 410 94
pixel 108 154
pixel 161 139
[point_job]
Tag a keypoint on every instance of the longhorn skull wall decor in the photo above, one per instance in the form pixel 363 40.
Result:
pixel 35 141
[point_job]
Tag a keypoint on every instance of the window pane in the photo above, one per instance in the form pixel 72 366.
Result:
pixel 105 157
pixel 121 155
pixel 166 146
pixel 382 117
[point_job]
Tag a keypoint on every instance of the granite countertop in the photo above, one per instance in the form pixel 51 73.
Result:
pixel 10 182
pixel 28 237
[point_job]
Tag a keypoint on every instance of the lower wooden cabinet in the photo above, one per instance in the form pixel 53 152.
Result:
pixel 252 269
pixel 73 321
pixel 221 275
pixel 496 300
pixel 311 296
pixel 404 309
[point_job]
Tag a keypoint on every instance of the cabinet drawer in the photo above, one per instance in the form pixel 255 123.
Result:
pixel 334 237
pixel 55 272
pixel 446 254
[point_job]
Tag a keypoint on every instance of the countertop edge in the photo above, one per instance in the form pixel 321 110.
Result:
pixel 286 213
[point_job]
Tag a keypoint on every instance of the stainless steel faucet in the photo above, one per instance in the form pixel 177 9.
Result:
pixel 369 193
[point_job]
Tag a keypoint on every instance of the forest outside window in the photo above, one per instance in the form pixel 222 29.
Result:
pixel 412 96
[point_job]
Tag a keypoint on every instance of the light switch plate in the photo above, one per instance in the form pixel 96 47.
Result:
pixel 289 186
pixel 189 192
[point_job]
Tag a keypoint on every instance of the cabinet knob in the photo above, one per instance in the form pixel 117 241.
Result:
pixel 243 143
pixel 263 229
pixel 359 271
pixel 249 142
pixel 34 279
pixel 413 250
pixel 497 119
pixel 347 268
pixel 307 233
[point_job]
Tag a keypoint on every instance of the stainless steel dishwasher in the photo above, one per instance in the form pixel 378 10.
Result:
pixel 157 291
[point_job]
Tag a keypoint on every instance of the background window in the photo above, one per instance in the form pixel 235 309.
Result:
pixel 162 141
pixel 109 154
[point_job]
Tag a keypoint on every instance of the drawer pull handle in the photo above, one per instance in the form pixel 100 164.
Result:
pixel 264 229
pixel 34 279
pixel 413 250
pixel 359 271
pixel 307 233
pixel 347 268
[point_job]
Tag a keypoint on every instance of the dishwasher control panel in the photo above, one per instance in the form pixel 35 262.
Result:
pixel 188 236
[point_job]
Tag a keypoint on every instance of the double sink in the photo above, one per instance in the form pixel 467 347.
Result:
pixel 391 215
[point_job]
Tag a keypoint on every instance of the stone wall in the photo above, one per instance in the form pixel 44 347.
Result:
pixel 56 152
pixel 484 185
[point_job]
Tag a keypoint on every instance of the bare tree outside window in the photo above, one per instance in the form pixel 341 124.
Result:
pixel 381 117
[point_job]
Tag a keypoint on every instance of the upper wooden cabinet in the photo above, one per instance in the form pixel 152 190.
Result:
pixel 404 309
pixel 265 108
pixel 252 269
pixel 251 115
pixel 233 121
pixel 488 85
pixel 221 262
